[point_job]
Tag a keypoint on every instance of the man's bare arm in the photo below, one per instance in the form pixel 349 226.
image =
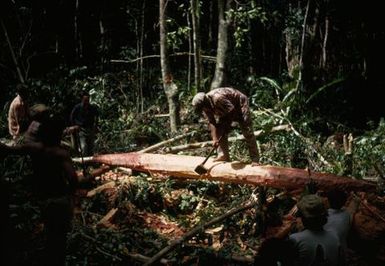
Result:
pixel 20 149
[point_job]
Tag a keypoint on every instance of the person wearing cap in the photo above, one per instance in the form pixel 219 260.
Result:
pixel 314 245
pixel 221 107
pixel 18 114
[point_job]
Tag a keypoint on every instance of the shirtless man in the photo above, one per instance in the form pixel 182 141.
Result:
pixel 55 179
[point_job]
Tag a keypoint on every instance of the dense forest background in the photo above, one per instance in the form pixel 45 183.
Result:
pixel 329 52
pixel 313 68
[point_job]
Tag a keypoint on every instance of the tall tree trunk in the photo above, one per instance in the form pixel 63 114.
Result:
pixel 310 52
pixel 250 48
pixel 291 50
pixel 325 41
pixel 190 50
pixel 195 9
pixel 137 94
pixel 141 100
pixel 103 47
pixel 78 42
pixel 302 48
pixel 210 29
pixel 220 68
pixel 170 88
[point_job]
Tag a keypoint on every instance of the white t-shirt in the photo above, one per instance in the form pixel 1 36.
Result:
pixel 306 243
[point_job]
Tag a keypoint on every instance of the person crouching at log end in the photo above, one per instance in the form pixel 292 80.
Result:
pixel 221 107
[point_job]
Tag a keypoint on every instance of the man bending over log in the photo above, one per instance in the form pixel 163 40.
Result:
pixel 221 107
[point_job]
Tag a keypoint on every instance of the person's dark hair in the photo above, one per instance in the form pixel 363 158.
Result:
pixel 22 90
pixel 85 93
pixel 337 198
pixel 312 211
pixel 39 112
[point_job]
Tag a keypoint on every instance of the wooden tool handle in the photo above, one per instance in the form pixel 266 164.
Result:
pixel 215 146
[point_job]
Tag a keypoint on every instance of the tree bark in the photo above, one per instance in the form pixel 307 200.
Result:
pixel 170 88
pixel 190 51
pixel 141 42
pixel 222 45
pixel 77 37
pixel 302 47
pixel 195 10
pixel 325 41
pixel 183 166
pixel 210 29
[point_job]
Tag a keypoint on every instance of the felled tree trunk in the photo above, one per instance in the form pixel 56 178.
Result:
pixel 183 166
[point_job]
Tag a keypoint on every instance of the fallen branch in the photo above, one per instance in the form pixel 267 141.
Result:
pixel 163 143
pixel 207 57
pixel 198 229
pixel 162 115
pixel 202 227
pixel 107 254
pixel 142 258
pixel 127 171
pixel 95 241
pixel 300 136
pixel 99 189
pixel 106 220
pixel 203 144
pixel 370 209
pixel 95 172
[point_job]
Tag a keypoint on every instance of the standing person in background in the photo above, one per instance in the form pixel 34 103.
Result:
pixel 85 117
pixel 18 114
pixel 340 219
pixel 221 107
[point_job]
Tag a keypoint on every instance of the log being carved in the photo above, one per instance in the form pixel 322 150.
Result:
pixel 183 166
